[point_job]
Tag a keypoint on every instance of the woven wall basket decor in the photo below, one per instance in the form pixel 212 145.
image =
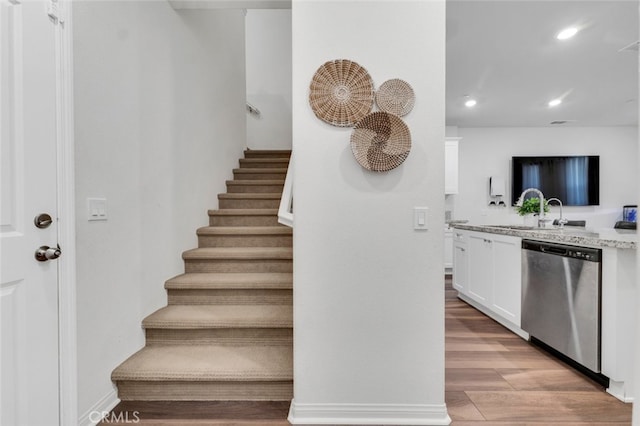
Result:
pixel 380 141
pixel 395 96
pixel 341 93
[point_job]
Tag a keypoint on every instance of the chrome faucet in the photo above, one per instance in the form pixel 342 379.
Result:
pixel 541 219
pixel 561 221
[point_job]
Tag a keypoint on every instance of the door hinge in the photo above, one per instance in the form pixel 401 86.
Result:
pixel 55 11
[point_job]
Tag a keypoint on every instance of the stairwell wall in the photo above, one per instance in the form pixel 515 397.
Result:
pixel 160 124
pixel 368 288
pixel 268 49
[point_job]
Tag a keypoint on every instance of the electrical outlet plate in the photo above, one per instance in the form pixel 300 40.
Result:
pixel 97 208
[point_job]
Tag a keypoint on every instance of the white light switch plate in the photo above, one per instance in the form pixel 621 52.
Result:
pixel 421 218
pixel 97 208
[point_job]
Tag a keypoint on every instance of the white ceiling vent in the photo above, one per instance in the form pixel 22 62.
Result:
pixel 633 47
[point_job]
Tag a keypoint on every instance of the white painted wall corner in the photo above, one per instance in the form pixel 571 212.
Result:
pixel 94 414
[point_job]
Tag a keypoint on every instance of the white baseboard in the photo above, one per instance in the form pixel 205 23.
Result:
pixel 618 390
pixel 94 414
pixel 368 414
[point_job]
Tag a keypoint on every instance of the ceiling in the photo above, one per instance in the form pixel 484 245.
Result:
pixel 505 55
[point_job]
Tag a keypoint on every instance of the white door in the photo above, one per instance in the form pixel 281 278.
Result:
pixel 29 375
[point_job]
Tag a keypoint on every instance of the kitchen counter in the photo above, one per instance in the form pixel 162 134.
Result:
pixel 487 273
pixel 600 237
pixel 448 224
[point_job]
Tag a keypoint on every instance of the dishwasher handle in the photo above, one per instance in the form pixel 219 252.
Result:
pixel 543 247
pixel 561 251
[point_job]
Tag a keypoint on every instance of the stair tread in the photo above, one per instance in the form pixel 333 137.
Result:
pixel 208 363
pixel 257 170
pixel 243 212
pixel 212 280
pixel 221 316
pixel 263 160
pixel 245 230
pixel 252 195
pixel 268 151
pixel 252 182
pixel 238 253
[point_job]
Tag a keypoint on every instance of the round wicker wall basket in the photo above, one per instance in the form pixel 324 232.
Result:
pixel 381 141
pixel 341 93
pixel 395 96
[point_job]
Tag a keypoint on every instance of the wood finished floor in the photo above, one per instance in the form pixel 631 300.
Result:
pixel 493 377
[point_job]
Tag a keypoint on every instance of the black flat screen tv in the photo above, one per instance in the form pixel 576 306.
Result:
pixel 575 180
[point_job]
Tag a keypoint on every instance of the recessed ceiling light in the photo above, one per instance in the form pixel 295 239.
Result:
pixel 555 102
pixel 470 103
pixel 567 33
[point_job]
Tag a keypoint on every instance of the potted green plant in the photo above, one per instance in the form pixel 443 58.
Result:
pixel 531 206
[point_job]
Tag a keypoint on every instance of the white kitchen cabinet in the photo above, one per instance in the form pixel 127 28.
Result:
pixel 507 281
pixel 448 249
pixel 493 282
pixel 481 269
pixel 460 261
pixel 451 165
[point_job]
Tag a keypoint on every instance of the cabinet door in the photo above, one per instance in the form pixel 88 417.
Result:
pixel 480 268
pixel 448 249
pixel 460 268
pixel 507 278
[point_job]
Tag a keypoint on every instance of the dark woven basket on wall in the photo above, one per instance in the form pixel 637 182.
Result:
pixel 381 141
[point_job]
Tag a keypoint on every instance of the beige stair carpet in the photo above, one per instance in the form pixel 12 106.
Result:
pixel 227 332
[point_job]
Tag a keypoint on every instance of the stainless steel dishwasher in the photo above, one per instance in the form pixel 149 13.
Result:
pixel 561 299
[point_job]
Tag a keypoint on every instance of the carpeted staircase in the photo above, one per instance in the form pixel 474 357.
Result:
pixel 227 332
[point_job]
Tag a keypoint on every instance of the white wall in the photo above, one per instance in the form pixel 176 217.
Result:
pixel 160 123
pixel 268 48
pixel 368 288
pixel 486 152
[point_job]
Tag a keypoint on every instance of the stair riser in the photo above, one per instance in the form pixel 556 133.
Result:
pixel 244 175
pixel 244 164
pixel 223 265
pixel 245 241
pixel 248 204
pixel 256 154
pixel 230 297
pixel 204 391
pixel 228 336
pixel 261 189
pixel 270 220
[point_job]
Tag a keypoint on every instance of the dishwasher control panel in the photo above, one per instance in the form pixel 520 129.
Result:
pixel 574 252
pixel 584 255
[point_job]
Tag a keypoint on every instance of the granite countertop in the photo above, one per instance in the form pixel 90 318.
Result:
pixel 455 221
pixel 448 224
pixel 600 237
